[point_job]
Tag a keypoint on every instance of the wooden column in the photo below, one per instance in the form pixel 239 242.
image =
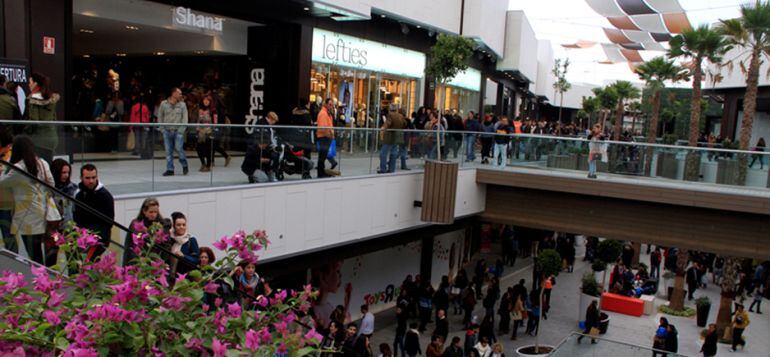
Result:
pixel 439 188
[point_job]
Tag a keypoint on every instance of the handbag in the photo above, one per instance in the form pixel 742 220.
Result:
pixel 131 141
pixel 332 148
pixel 593 332
pixel 103 118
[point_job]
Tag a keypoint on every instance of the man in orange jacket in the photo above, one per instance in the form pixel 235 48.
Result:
pixel 325 134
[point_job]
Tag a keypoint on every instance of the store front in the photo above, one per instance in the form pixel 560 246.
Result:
pixel 362 78
pixel 462 93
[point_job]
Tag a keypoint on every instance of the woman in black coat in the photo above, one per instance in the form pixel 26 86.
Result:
pixel 592 320
pixel 672 339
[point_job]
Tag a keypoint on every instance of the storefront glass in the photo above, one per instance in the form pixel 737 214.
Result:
pixel 357 74
pixel 462 93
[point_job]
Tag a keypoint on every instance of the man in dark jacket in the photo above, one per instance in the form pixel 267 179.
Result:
pixel 391 140
pixel 472 127
pixel 401 320
pixel 454 350
pixel 442 325
pixel 692 280
pixel 300 138
pixel 93 193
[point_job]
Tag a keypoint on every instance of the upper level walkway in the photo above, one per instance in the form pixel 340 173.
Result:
pixel 543 184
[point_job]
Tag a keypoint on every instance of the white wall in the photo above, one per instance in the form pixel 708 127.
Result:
pixel 736 78
pixel 392 265
pixel 442 15
pixel 520 46
pixel 573 98
pixel 545 77
pixel 760 128
pixel 307 214
pixel 484 20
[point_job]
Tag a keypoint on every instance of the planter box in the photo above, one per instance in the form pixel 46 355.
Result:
pixel 585 300
pixel 439 188
pixel 582 162
pixel 667 165
pixel 568 162
pixel 768 178
pixel 727 172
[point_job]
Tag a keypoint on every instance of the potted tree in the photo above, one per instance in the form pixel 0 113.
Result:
pixel 598 267
pixel 608 251
pixel 668 287
pixel 548 263
pixel 589 291
pixel 702 308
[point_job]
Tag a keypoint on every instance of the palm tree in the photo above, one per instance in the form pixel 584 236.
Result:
pixel 624 90
pixel 655 73
pixel 590 107
pixel 677 297
pixel 724 316
pixel 608 99
pixel 698 45
pixel 750 32
pixel 635 108
pixel 561 85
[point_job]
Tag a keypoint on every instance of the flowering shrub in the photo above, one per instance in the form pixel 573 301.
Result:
pixel 98 308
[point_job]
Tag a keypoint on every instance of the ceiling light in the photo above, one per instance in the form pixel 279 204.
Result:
pixel 86 31
pixel 382 16
pixel 131 27
pixel 86 56
pixel 200 52
pixel 120 54
pixel 306 9
pixel 418 26
pixel 160 53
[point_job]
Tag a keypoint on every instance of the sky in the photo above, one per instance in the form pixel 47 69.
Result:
pixel 567 21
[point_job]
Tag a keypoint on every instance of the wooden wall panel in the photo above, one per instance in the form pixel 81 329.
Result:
pixel 719 231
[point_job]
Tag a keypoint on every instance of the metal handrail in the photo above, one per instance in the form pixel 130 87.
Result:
pixel 575 333
pixel 353 129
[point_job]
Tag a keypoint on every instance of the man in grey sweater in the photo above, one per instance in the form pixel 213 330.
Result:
pixel 173 111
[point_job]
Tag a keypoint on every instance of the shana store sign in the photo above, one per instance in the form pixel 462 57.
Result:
pixel 348 51
pixel 184 16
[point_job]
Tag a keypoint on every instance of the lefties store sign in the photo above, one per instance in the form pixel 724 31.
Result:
pixel 348 51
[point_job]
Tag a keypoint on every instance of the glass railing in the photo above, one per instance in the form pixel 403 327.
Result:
pixel 570 347
pixel 132 158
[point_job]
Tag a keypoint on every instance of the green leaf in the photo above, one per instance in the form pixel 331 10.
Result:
pixel 306 351
pixel 61 343
pixel 229 281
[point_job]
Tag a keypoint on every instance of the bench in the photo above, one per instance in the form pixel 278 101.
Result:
pixel 649 304
pixel 622 304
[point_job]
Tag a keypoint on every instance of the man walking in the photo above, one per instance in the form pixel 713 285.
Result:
pixel 392 139
pixel 324 134
pixel 499 156
pixel 174 111
pixel 367 322
pixel 472 127
pixel 92 193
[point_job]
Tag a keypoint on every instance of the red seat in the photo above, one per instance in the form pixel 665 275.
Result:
pixel 622 304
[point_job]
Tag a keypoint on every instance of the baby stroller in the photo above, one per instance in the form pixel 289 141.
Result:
pixel 292 162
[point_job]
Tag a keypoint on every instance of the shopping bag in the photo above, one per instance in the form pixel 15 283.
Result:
pixel 332 148
pixel 131 141
pixel 594 332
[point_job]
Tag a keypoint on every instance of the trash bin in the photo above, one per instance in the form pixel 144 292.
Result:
pixel 604 323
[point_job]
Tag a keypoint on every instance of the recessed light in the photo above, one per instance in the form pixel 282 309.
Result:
pixel 86 56
pixel 160 53
pixel 306 9
pixel 86 31
pixel 418 26
pixel 131 27
pixel 382 16
pixel 120 54
pixel 200 52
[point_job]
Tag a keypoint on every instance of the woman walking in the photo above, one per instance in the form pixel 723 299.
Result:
pixel 34 205
pixel 42 107
pixel 595 149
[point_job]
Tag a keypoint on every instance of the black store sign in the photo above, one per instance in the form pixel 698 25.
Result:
pixel 14 70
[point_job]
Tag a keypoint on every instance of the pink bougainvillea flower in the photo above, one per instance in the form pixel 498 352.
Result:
pixel 55 299
pixel 52 317
pixel 219 348
pixel 42 280
pixel 220 244
pixel 314 336
pixel 80 352
pixel 205 307
pixel 175 303
pixel 211 287
pixel 218 302
pixel 194 344
pixel 160 236
pixel 262 301
pixel 282 349
pixel 265 336
pixel 252 340
pixel 86 239
pixel 138 240
pixel 23 299
pixel 12 281
pixel 139 226
pixel 281 326
pixel 234 310
pixel 58 239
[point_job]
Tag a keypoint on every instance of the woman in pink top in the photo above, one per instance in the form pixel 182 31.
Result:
pixel 140 114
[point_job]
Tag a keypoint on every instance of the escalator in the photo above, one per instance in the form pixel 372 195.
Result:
pixel 28 198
